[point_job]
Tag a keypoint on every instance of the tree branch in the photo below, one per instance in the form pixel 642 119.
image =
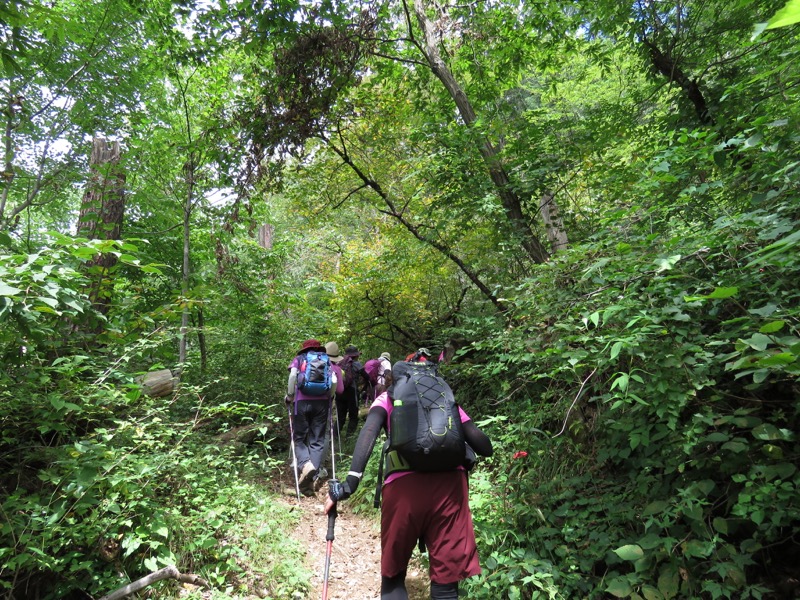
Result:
pixel 170 572
pixel 571 406
pixel 410 227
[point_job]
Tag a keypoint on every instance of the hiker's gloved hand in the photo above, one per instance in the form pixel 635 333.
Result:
pixel 287 399
pixel 338 491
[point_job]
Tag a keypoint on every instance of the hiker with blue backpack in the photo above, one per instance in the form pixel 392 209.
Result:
pixel 311 386
pixel 432 443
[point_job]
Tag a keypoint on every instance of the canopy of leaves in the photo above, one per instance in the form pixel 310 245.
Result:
pixel 298 170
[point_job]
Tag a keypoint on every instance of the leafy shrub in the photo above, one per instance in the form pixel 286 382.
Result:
pixel 664 376
pixel 101 484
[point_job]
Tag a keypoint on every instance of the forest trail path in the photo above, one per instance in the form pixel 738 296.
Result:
pixel 355 554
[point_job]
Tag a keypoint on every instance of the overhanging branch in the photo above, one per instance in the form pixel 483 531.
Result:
pixel 392 210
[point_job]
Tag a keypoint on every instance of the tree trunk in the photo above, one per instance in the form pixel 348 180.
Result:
pixel 102 210
pixel 187 214
pixel 201 340
pixel 509 199
pixel 189 172
pixel 8 175
pixel 669 68
pixel 552 222
pixel 265 234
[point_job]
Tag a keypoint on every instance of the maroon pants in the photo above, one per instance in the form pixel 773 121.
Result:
pixel 434 507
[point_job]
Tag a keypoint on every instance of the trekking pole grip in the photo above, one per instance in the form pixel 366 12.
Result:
pixel 331 522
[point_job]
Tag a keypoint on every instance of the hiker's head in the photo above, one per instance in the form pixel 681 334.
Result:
pixel 420 355
pixel 332 349
pixel 311 344
pixel 386 355
pixel 352 351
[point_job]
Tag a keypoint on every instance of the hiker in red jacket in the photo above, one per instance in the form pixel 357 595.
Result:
pixel 422 354
pixel 431 507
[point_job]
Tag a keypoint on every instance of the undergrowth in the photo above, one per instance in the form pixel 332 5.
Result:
pixel 648 446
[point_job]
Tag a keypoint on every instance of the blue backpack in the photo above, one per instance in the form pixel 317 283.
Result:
pixel 314 374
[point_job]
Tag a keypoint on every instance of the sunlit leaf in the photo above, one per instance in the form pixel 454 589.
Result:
pixel 619 587
pixel 788 15
pixel 7 290
pixel 772 327
pixel 630 552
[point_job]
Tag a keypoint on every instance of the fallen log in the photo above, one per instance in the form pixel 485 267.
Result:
pixel 170 572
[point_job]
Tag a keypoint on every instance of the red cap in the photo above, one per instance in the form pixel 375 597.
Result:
pixel 312 344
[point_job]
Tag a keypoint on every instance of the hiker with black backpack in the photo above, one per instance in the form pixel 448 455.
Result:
pixel 347 401
pixel 432 444
pixel 311 386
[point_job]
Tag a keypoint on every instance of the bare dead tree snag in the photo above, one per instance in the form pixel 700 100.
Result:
pixel 102 210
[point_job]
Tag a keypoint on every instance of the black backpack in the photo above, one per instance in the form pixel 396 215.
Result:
pixel 425 425
pixel 350 370
pixel 425 430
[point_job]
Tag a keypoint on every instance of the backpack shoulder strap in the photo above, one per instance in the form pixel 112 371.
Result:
pixel 379 485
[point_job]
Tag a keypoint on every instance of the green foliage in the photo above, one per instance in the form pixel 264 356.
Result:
pixel 107 485
pixel 641 389
pixel 98 479
pixel 667 388
pixel 788 15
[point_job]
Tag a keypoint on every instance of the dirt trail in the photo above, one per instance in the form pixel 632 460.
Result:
pixel 355 554
pixel 355 568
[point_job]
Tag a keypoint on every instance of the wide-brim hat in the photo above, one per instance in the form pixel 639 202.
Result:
pixel 352 351
pixel 311 344
pixel 386 355
pixel 332 349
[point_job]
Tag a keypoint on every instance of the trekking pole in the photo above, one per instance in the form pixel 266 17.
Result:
pixel 338 432
pixel 331 513
pixel 333 463
pixel 294 454
pixel 329 539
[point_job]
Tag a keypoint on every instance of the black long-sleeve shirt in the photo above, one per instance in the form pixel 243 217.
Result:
pixel 377 419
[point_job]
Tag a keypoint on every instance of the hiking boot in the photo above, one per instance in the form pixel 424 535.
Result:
pixel 319 478
pixel 308 471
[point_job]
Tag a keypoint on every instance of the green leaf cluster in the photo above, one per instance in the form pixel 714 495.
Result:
pixel 656 400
